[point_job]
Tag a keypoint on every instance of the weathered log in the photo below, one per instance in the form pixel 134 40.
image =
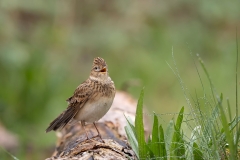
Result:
pixel 73 144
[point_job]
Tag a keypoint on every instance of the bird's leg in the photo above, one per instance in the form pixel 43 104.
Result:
pixel 98 132
pixel 83 125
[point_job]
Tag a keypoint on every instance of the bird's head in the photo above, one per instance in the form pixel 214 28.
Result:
pixel 99 69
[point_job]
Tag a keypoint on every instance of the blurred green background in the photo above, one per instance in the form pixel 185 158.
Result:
pixel 47 49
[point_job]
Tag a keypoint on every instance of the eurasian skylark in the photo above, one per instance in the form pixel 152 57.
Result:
pixel 91 100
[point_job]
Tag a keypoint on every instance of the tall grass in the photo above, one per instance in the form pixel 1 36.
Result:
pixel 214 132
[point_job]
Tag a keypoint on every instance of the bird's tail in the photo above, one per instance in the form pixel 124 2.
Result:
pixel 62 119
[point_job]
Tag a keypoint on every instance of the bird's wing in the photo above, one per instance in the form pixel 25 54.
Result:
pixel 75 103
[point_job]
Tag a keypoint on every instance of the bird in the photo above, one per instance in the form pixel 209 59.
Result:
pixel 91 100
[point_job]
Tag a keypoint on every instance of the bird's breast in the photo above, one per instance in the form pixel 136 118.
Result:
pixel 94 109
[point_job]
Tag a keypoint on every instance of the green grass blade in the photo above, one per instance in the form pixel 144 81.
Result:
pixel 155 137
pixel 162 148
pixel 177 149
pixel 149 143
pixel 234 123
pixel 197 154
pixel 130 122
pixel 168 135
pixel 229 110
pixel 149 151
pixel 180 119
pixel 226 129
pixel 213 143
pixel 13 157
pixel 209 79
pixel 181 147
pixel 173 147
pixel 132 139
pixel 139 127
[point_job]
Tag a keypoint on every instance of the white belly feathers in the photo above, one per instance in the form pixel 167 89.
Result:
pixel 93 111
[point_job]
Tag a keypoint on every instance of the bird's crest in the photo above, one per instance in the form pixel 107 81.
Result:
pixel 99 61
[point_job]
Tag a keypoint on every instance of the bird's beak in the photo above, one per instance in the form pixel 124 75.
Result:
pixel 104 69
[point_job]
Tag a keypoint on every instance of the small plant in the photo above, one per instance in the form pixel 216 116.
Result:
pixel 156 147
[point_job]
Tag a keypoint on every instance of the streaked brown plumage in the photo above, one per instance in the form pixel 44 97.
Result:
pixel 91 100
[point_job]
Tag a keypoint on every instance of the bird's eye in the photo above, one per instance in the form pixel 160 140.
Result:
pixel 95 68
